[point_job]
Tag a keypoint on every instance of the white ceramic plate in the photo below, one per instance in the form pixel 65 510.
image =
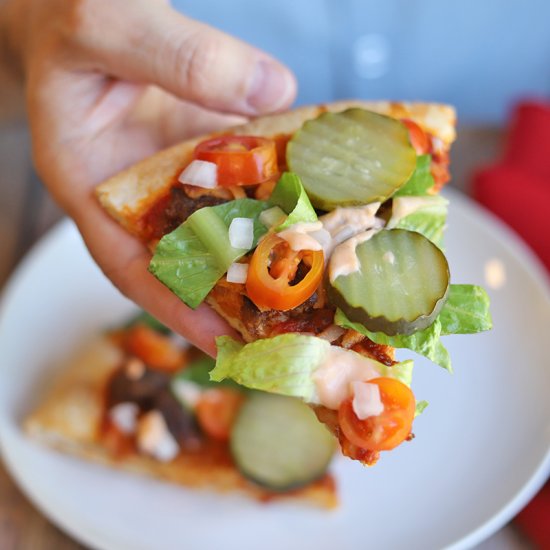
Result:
pixel 481 448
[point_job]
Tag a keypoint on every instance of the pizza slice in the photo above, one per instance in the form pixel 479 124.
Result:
pixel 139 399
pixel 317 234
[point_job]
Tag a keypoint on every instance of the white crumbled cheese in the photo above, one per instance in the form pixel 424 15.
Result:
pixel 154 438
pixel 366 400
pixel 124 417
pixel 187 392
pixel 241 233
pixel 237 273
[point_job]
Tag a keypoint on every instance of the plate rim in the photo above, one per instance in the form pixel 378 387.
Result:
pixel 477 214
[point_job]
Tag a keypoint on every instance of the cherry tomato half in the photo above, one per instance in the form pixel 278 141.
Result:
pixel 386 430
pixel 155 349
pixel 217 410
pixel 241 160
pixel 273 268
pixel 419 139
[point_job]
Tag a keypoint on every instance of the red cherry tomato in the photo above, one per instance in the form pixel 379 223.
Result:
pixel 241 160
pixel 217 410
pixel 386 430
pixel 156 350
pixel 419 139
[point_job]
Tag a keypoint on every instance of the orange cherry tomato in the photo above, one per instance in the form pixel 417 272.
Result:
pixel 386 430
pixel 217 410
pixel 153 348
pixel 419 139
pixel 241 160
pixel 272 271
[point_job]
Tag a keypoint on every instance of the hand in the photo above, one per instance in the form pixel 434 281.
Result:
pixel 109 82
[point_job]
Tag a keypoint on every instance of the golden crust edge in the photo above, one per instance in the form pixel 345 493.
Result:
pixel 124 194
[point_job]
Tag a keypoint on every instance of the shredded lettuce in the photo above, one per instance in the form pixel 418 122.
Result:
pixel 290 195
pixel 466 311
pixel 421 180
pixel 431 215
pixel 191 259
pixel 424 342
pixel 198 372
pixel 420 406
pixel 429 218
pixel 285 364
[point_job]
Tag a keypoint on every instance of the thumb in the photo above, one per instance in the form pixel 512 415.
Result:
pixel 154 44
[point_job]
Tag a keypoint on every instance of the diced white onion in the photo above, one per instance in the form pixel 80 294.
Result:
pixel 200 173
pixel 124 417
pixel 366 400
pixel 237 273
pixel 154 438
pixel 189 393
pixel 241 233
pixel 272 217
pixel 331 333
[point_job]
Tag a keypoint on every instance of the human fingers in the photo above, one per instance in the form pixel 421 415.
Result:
pixel 152 43
pixel 171 120
pixel 124 260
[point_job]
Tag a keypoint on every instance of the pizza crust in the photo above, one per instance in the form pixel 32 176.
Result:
pixel 70 417
pixel 128 194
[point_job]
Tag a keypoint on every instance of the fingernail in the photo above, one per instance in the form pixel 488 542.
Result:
pixel 271 87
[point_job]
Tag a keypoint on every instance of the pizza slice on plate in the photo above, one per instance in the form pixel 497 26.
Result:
pixel 139 399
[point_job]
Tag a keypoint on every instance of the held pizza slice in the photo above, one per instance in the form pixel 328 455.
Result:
pixel 135 400
pixel 317 234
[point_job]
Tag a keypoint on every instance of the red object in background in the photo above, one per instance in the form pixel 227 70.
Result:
pixel 534 519
pixel 517 189
pixel 521 200
pixel 528 144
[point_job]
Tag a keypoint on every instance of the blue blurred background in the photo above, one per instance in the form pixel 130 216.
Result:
pixel 479 55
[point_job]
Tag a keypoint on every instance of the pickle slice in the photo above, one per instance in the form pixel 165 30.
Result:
pixel 278 443
pixel 400 287
pixel 352 157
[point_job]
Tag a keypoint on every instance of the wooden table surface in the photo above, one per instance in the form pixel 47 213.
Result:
pixel 26 212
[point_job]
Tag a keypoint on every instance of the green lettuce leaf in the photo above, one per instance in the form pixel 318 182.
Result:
pixel 289 195
pixel 285 364
pixel 424 342
pixel 420 406
pixel 466 311
pixel 198 372
pixel 421 180
pixel 429 218
pixel 191 259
